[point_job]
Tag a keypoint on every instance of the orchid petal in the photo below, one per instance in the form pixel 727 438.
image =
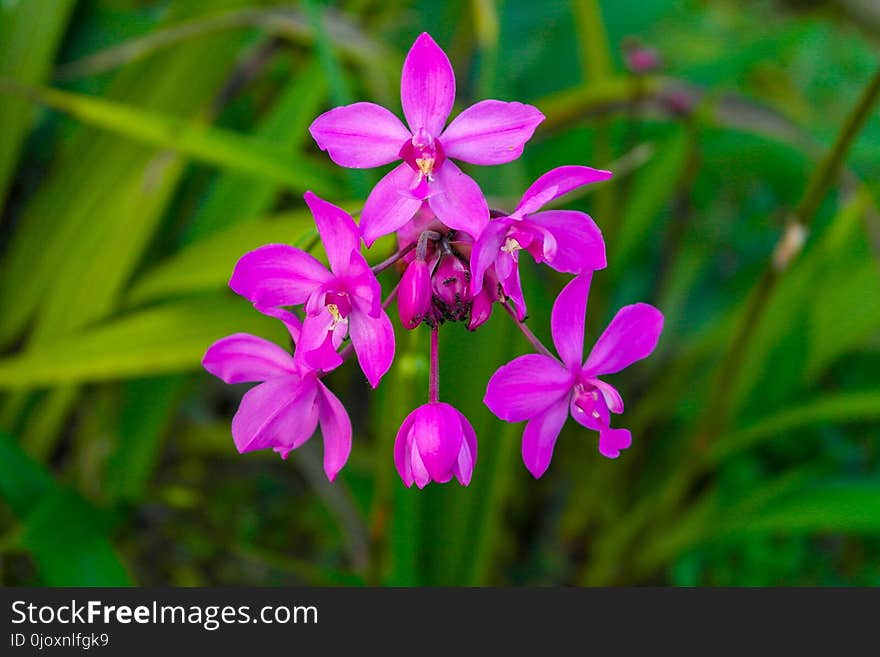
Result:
pixel 612 397
pixel 335 429
pixel 485 251
pixel 278 413
pixel 402 447
pixel 579 243
pixel 339 234
pixel 390 204
pixel 427 86
pixel 277 275
pixel 567 320
pixel 490 132
pixel 631 336
pixel 467 455
pixel 526 387
pixel 373 340
pixel 556 183
pixel 241 358
pixel 457 200
pixel 612 441
pixel 362 135
pixel 315 347
pixel 513 290
pixel 540 436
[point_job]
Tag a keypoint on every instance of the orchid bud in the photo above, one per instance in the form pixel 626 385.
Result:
pixel 481 309
pixel 435 443
pixel 451 282
pixel 414 295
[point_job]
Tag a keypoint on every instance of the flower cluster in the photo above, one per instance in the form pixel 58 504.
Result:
pixel 458 261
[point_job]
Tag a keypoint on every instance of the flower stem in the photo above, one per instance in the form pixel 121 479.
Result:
pixel 526 331
pixel 394 257
pixel 434 383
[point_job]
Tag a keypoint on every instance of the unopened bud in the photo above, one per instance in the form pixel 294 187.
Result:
pixel 414 294
pixel 451 282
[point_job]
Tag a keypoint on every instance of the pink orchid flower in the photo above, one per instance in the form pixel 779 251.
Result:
pixel 365 135
pixel 543 390
pixel 435 443
pixel 343 302
pixel 284 410
pixel 567 240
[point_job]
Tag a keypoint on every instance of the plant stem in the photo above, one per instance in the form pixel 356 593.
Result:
pixel 394 257
pixel 434 381
pixel 526 331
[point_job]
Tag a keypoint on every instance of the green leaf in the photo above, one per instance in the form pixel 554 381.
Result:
pixel 235 196
pixel 839 507
pixel 841 407
pixel 169 338
pixel 208 263
pixel 209 144
pixel 65 535
pixel 652 190
pixel 29 34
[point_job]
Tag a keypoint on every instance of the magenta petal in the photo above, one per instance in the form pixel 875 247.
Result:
pixel 555 183
pixel 390 204
pixel 513 290
pixel 420 473
pixel 437 432
pixel 335 429
pixel 490 132
pixel 241 358
pixel 526 387
pixel 486 250
pixel 277 275
pixel 402 447
pixel 457 200
pixel 427 86
pixel 339 234
pixel 567 320
pixel 579 243
pixel 631 336
pixel 540 436
pixel 612 441
pixel 467 455
pixel 361 135
pixel 373 340
pixel 280 413
pixel 612 398
pixel 315 347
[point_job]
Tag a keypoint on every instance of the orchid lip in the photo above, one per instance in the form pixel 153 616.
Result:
pixel 424 156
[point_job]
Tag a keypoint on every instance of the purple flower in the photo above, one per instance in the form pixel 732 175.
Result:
pixel 345 301
pixel 544 390
pixel 283 411
pixel 365 135
pixel 568 241
pixel 435 443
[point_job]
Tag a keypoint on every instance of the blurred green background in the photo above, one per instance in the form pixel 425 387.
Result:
pixel 144 146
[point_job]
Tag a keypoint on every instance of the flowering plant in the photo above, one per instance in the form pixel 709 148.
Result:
pixel 459 260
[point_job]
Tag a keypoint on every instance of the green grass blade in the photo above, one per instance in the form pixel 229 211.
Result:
pixel 169 338
pixel 29 35
pixel 208 144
